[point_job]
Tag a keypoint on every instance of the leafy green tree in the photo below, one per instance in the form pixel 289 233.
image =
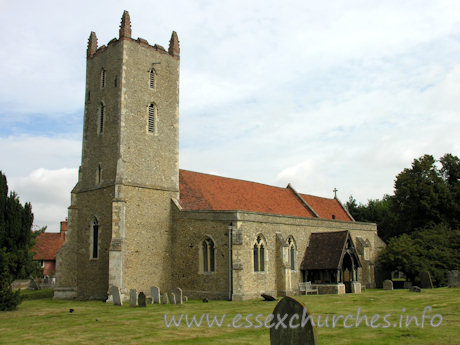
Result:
pixel 16 240
pixel 376 211
pixel 422 196
pixel 435 249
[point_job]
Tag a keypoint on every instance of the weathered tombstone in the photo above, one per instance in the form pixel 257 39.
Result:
pixel 185 299
pixel 132 298
pixel 172 298
pixel 141 299
pixel 415 289
pixel 387 285
pixel 165 299
pixel 355 287
pixel 425 280
pixel 268 297
pixel 155 292
pixel 149 300
pixel 454 279
pixel 115 292
pixel 179 297
pixel 297 313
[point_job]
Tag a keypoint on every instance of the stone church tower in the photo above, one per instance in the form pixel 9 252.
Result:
pixel 120 214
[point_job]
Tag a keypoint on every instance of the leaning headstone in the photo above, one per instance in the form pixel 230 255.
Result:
pixel 387 285
pixel 291 309
pixel 155 292
pixel 132 297
pixel 425 280
pixel 165 299
pixel 115 292
pixel 179 297
pixel 268 297
pixel 172 298
pixel 141 299
pixel 453 278
pixel 415 289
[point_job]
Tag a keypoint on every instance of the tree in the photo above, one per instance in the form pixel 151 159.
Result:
pixel 421 196
pixel 434 249
pixel 16 240
pixel 375 211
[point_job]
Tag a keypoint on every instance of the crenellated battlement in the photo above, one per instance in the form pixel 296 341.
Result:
pixel 125 34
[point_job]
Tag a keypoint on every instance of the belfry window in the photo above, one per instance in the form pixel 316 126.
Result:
pixel 259 254
pixel 103 75
pixel 94 239
pixel 152 117
pixel 101 118
pixel 207 255
pixel 152 78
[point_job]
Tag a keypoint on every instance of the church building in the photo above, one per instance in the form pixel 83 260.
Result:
pixel 136 220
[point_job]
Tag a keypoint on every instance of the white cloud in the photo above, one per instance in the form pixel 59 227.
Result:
pixel 49 193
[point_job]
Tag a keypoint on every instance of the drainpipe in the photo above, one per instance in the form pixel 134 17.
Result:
pixel 230 262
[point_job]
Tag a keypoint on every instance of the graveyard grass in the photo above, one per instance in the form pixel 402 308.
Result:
pixel 47 321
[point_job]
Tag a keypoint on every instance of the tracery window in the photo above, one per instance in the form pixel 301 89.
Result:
pixel 259 254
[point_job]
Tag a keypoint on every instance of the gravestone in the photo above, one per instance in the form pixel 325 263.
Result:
pixel 165 299
pixel 185 299
pixel 172 298
pixel 155 292
pixel 268 297
pixel 425 280
pixel 453 279
pixel 415 289
pixel 115 292
pixel 149 300
pixel 387 285
pixel 141 299
pixel 179 297
pixel 132 298
pixel 295 334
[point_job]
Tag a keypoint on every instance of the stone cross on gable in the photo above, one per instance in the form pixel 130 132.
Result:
pixel 335 192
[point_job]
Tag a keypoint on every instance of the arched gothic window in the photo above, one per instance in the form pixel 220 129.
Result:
pixel 259 254
pixel 292 250
pixel 94 239
pixel 207 255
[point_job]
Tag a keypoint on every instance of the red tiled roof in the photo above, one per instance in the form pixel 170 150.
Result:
pixel 326 208
pixel 48 243
pixel 200 191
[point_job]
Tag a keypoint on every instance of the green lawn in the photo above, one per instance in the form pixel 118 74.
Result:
pixel 46 321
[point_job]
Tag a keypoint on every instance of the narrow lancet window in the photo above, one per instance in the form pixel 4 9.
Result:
pixel 152 79
pixel 103 72
pixel 95 239
pixel 152 118
pixel 101 118
pixel 259 255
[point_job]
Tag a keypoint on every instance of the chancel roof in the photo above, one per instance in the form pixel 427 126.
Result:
pixel 200 191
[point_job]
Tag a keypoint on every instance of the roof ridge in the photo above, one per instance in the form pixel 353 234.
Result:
pixel 234 179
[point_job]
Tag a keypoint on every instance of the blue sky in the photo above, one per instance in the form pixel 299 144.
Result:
pixel 340 94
